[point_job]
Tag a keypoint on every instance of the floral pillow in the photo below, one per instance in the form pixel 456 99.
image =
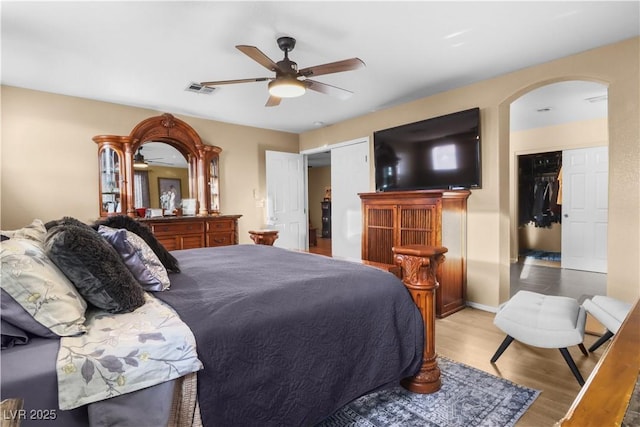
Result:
pixel 138 257
pixel 14 313
pixel 35 232
pixel 32 280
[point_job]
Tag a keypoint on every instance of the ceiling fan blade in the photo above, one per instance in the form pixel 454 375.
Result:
pixel 257 55
pixel 328 89
pixel 333 67
pixel 273 101
pixel 228 82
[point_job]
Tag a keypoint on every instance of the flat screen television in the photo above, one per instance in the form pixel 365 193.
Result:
pixel 437 153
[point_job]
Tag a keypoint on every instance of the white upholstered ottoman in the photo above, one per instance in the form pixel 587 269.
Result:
pixel 608 311
pixel 543 321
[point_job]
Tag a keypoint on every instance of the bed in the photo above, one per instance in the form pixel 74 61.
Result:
pixel 284 338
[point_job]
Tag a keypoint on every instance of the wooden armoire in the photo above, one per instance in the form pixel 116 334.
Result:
pixel 423 217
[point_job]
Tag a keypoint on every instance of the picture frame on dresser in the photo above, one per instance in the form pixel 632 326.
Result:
pixel 155 213
pixel 169 194
pixel 188 207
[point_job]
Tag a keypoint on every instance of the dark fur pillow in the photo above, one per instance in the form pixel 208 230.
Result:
pixel 65 220
pixel 123 221
pixel 94 267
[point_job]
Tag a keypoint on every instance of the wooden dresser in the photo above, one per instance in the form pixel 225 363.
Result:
pixel 194 232
pixel 425 217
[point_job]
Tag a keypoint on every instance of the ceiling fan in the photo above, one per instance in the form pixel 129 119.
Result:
pixel 289 81
pixel 139 161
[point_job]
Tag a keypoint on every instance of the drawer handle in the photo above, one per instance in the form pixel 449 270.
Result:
pixel 220 240
pixel 190 227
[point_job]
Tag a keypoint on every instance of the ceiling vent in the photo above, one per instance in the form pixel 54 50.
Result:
pixel 198 88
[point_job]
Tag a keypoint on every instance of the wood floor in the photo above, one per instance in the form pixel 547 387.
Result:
pixel 323 247
pixel 470 337
pixel 557 281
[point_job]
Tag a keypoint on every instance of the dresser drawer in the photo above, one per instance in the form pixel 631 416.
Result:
pixel 182 241
pixel 220 239
pixel 190 242
pixel 171 229
pixel 195 232
pixel 220 225
pixel 169 243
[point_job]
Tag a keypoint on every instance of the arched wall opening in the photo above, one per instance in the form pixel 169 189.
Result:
pixel 540 136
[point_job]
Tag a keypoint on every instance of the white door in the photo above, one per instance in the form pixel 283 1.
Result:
pixel 585 181
pixel 349 176
pixel 285 199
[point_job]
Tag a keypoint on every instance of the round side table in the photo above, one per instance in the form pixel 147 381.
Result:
pixel 263 237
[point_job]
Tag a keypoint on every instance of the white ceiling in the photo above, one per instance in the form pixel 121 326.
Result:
pixel 145 54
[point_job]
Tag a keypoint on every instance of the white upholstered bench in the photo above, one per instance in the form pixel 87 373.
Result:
pixel 543 321
pixel 608 311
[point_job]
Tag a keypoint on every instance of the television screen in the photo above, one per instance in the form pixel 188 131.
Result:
pixel 438 153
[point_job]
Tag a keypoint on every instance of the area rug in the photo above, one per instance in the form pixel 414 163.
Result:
pixel 542 258
pixel 468 397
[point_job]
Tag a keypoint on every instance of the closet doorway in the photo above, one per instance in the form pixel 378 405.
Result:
pixel 339 172
pixel 540 208
pixel 563 208
pixel 319 189
pixel 546 122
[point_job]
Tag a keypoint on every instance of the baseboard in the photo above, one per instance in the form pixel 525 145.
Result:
pixel 482 307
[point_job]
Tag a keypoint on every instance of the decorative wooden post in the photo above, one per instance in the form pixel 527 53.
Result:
pixel 419 266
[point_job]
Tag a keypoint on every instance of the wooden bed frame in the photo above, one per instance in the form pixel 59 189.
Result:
pixel 416 266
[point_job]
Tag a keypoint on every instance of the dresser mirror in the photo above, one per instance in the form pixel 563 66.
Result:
pixel 160 178
pixel 158 165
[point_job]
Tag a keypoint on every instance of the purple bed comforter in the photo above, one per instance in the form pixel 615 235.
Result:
pixel 287 338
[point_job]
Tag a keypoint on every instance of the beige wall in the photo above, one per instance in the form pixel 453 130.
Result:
pixel 548 239
pixel 319 179
pixel 50 164
pixel 489 209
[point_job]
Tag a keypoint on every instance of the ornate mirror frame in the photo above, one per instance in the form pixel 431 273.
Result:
pixel 202 159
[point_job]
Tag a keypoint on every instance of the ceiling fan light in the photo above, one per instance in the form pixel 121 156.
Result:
pixel 138 160
pixel 286 88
